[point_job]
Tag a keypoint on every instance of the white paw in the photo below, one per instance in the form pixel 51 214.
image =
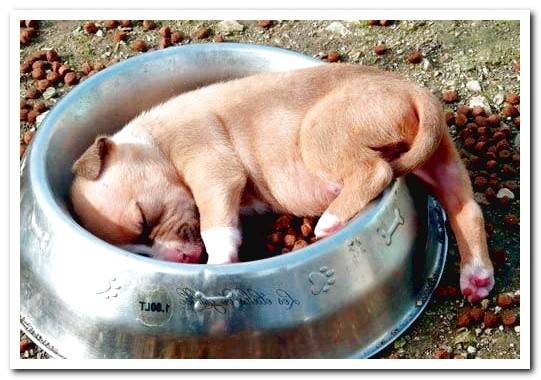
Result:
pixel 476 281
pixel 222 244
pixel 326 225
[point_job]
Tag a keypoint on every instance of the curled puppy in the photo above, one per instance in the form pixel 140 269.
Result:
pixel 318 141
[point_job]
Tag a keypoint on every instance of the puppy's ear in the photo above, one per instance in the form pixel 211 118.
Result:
pixel 91 163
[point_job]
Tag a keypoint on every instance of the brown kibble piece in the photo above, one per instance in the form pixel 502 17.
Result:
pixel 306 230
pixel 265 23
pixel 493 120
pixel 477 314
pixel 25 68
pixel 119 35
pixel 70 79
pixel 513 99
pixel 125 23
pixel 479 146
pixel 504 154
pixel 480 182
pixel 491 319
pixel 469 142
pixel 164 42
pixel 491 165
pixel 25 344
pixel 464 110
pixel 55 66
pixel 511 185
pixel 481 121
pixel 52 77
pixel 504 300
pixel 25 36
pixel 219 38
pixel 289 240
pixel 52 56
pixel 385 22
pixel 202 32
pixel 28 136
pixel 380 49
pixel 39 65
pixel 333 56
pixel 63 70
pixel 478 111
pixel 299 244
pixel 509 111
pixel 516 121
pixel 139 45
pixel 23 103
pixel 450 96
pixel 460 120
pixel 90 27
pixel 509 318
pixel 165 31
pixel 464 318
pixel 86 68
pixel 149 25
pixel 32 93
pixel 499 256
pixel 177 37
pixel 110 24
pixel 415 57
pixel 498 135
pixel 275 238
pixel 449 118
pixel 270 248
pixel 23 114
pixel 511 220
pixel 43 85
pixel 503 144
pixel 38 74
pixel 283 222
pixel 32 115
pixel 441 353
pixel 39 107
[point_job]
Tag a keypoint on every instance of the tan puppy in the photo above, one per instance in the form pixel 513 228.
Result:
pixel 318 141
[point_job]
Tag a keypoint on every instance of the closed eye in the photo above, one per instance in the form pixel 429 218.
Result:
pixel 145 227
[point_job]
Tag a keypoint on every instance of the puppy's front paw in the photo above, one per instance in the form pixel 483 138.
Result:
pixel 476 281
pixel 327 225
pixel 222 244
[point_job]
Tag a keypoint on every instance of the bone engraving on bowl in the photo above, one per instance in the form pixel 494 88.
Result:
pixel 387 234
pixel 236 298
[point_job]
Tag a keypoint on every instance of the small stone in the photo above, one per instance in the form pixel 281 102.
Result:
pixel 479 101
pixel 484 303
pixel 228 27
pixel 517 329
pixel 338 28
pixel 498 98
pixel 471 350
pixel 478 331
pixel 473 85
pixel 49 93
pixel 503 192
pixel 99 33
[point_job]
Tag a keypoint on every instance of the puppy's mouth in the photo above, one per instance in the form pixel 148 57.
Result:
pixel 185 253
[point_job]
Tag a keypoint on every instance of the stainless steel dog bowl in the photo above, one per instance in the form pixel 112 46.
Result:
pixel 345 296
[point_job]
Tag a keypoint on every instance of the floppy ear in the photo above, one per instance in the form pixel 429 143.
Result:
pixel 92 162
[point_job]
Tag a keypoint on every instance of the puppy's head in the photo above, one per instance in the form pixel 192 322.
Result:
pixel 130 194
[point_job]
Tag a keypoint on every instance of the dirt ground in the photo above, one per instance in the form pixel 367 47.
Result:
pixel 478 60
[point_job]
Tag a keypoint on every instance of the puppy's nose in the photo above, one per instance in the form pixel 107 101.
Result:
pixel 178 252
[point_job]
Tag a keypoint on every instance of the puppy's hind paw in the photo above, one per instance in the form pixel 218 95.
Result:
pixel 476 281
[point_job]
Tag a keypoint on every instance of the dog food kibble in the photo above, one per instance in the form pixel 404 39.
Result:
pixel 441 353
pixel 509 111
pixel 449 118
pixel 177 37
pixel 499 256
pixel 149 25
pixel 275 238
pixel 165 31
pixel 333 56
pixel 503 144
pixel 25 68
pixel 139 45
pixel 481 121
pixel 70 78
pixel 464 110
pixel 513 99
pixel 477 314
pixel 493 120
pixel 52 56
pixel 511 220
pixel 504 300
pixel 264 23
pixel 463 319
pixel 516 121
pixel 38 74
pixel 306 229
pixel 202 32
pixel 415 57
pixel 125 23
pixel 53 77
pixel 110 24
pixel 478 111
pixel 509 318
pixel 63 70
pixel 23 103
pixel 219 38
pixel 43 84
pixel 90 27
pixel 491 319
pixel 26 35
pixel 164 42
pixel 299 244
pixel 380 49
pixel 55 66
pixel 289 240
pixel 39 107
pixel 491 165
pixel 24 114
pixel 119 35
pixel 25 344
pixel 39 65
pixel 86 68
pixel 469 142
pixel 450 96
pixel 32 115
pixel 461 120
pixel 28 136
pixel 504 154
pixel 480 182
pixel 32 93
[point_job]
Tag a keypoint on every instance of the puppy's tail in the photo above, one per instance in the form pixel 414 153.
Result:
pixel 429 134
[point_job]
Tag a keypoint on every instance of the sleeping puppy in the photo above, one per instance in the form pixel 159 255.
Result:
pixel 318 141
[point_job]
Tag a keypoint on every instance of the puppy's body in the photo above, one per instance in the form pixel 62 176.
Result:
pixel 324 140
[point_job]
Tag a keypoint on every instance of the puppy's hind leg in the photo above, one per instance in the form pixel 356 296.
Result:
pixel 448 179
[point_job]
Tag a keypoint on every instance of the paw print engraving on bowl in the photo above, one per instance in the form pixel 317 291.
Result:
pixel 322 281
pixel 109 288
pixel 387 234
